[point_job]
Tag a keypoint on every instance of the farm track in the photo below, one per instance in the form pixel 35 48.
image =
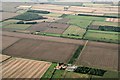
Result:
pixel 40 37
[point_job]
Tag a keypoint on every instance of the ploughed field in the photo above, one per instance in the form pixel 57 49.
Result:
pixel 8 41
pixel 100 55
pixel 46 27
pixel 42 50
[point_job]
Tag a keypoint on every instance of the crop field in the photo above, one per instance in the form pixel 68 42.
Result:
pixel 112 20
pixel 7 15
pixel 80 9
pixel 3 57
pixel 10 21
pixel 51 14
pixel 74 75
pixel 42 50
pixel 105 36
pixel 24 68
pixel 17 26
pixel 99 55
pixel 74 31
pixel 57 28
pixel 45 38
pixel 64 20
pixel 101 23
pixel 84 17
pixel 8 41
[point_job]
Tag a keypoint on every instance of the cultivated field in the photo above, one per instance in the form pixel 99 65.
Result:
pixel 113 19
pixel 17 26
pixel 100 55
pixel 7 22
pixel 3 57
pixel 46 27
pixel 42 50
pixel 74 31
pixel 46 38
pixel 7 15
pixel 105 36
pixel 8 41
pixel 105 23
pixel 64 20
pixel 24 68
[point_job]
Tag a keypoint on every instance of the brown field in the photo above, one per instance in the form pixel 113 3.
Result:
pixel 39 27
pixel 112 20
pixel 54 30
pixel 42 50
pixel 7 15
pixel 24 68
pixel 3 57
pixel 49 27
pixel 7 41
pixel 46 38
pixel 100 55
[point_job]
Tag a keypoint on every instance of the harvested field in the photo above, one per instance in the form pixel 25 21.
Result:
pixel 42 50
pixel 46 38
pixel 7 15
pixel 24 68
pixel 3 57
pixel 17 26
pixel 100 55
pixel 7 41
pixel 105 23
pixel 113 19
pixel 80 9
pixel 48 6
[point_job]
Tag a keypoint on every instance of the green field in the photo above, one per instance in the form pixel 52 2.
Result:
pixel 76 75
pixel 59 74
pixel 49 72
pixel 74 30
pixel 102 36
pixel 108 74
pixel 105 23
pixel 11 21
pixel 17 26
pixel 89 18
pixel 81 23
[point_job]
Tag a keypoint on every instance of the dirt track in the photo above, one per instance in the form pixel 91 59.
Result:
pixel 39 37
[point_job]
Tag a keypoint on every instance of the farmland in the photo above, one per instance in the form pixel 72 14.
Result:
pixel 74 31
pixel 64 51
pixel 59 40
pixel 101 23
pixel 17 26
pixel 100 55
pixel 7 41
pixel 24 68
pixel 102 36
